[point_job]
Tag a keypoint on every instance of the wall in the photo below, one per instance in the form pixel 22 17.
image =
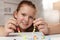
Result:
pixel 1 12
pixel 50 15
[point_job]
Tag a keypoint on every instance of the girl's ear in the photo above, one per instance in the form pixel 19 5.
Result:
pixel 15 14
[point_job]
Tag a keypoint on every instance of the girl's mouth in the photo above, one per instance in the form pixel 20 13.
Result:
pixel 24 23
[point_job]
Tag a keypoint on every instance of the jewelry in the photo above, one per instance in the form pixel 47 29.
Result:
pixel 34 28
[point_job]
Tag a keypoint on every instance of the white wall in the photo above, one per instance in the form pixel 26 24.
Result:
pixel 1 12
pixel 48 4
pixel 50 15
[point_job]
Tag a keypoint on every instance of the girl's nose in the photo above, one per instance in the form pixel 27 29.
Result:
pixel 26 18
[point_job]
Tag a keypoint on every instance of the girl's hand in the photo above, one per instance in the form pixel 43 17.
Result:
pixel 41 25
pixel 10 26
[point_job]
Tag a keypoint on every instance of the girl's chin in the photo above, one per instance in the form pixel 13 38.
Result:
pixel 24 28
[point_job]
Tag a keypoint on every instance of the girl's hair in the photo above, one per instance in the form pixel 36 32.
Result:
pixel 29 3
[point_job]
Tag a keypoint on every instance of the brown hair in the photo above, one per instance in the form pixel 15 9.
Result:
pixel 29 3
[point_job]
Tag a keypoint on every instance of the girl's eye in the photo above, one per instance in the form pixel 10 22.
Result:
pixel 31 17
pixel 23 14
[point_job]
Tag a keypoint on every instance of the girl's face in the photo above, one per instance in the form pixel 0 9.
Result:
pixel 25 16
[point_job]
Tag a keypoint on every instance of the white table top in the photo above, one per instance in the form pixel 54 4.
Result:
pixel 29 36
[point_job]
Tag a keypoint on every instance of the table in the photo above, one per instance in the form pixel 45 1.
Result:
pixel 30 36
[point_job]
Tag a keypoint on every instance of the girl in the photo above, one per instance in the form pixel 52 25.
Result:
pixel 24 19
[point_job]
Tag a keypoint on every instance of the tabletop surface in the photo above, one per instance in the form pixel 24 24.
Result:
pixel 30 36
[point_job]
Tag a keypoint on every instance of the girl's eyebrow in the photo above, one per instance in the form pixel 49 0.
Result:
pixel 27 15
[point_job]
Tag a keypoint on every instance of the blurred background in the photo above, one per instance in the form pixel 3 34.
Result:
pixel 49 10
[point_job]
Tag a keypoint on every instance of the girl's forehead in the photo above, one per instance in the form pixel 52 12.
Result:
pixel 27 9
